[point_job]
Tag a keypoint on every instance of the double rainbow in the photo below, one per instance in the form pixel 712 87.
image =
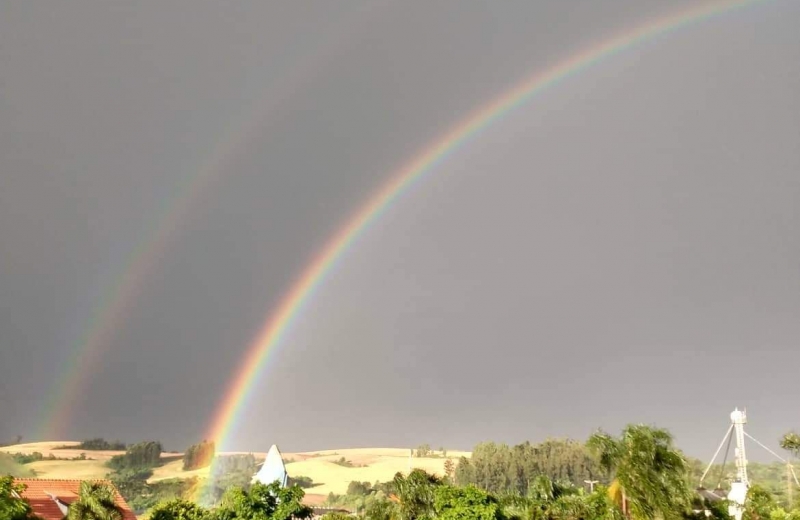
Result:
pixel 228 414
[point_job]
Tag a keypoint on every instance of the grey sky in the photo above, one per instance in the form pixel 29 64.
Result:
pixel 623 248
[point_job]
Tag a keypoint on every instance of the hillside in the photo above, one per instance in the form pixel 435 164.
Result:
pixel 363 464
pixel 9 467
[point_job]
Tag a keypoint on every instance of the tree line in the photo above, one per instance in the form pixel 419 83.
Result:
pixel 500 468
pixel 637 475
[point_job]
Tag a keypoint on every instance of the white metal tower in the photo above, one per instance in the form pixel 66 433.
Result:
pixel 739 487
pixel 740 483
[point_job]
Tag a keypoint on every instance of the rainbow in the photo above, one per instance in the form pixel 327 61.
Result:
pixel 228 413
pixel 123 287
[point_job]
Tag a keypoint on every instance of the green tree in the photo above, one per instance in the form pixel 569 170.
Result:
pixel 415 494
pixel 226 472
pixel 12 506
pixel 335 515
pixel 423 450
pixel 356 488
pixel 791 443
pixel 263 502
pixel 449 469
pixel 759 504
pixel 199 455
pixel 381 510
pixel 178 509
pixel 95 502
pixel 469 503
pixel 500 468
pixel 142 455
pixel 649 471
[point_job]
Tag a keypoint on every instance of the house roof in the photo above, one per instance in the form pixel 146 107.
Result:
pixel 49 498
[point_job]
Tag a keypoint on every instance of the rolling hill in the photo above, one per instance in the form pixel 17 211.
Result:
pixel 325 468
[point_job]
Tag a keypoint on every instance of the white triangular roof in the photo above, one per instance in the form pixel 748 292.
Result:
pixel 273 468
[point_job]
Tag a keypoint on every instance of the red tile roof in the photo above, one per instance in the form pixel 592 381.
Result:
pixel 41 494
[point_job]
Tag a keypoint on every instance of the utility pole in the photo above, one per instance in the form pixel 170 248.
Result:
pixel 591 484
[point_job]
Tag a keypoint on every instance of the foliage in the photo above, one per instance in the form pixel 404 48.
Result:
pixel 449 469
pixel 771 476
pixel 469 503
pixel 98 444
pixel 415 494
pixel 759 504
pixel 791 442
pixel 423 450
pixel 380 509
pixel 8 466
pixel 343 462
pixel 651 473
pixel 301 481
pixel 179 509
pixel 199 455
pixel 781 514
pixel 141 455
pixel 501 469
pixel 95 502
pixel 28 458
pixel 359 488
pixel 336 515
pixel 12 507
pixel 228 471
pixel 152 493
pixel 263 502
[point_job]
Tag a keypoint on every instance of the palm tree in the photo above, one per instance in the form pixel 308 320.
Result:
pixel 650 474
pixel 95 502
pixel 415 494
pixel 791 443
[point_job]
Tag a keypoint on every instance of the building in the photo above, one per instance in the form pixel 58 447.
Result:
pixel 50 498
pixel 273 469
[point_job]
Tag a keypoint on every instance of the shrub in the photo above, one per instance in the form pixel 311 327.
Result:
pixel 198 455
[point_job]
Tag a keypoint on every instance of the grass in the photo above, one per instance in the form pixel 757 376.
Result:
pixel 82 469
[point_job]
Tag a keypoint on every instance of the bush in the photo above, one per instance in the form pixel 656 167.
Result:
pixel 98 444
pixel 198 455
pixel 178 509
pixel 356 488
pixel 27 458
pixel 336 515
pixel 142 455
pixel 228 471
pixel 301 481
pixel 343 462
pixel 423 450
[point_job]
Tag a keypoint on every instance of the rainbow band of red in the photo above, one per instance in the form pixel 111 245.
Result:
pixel 227 414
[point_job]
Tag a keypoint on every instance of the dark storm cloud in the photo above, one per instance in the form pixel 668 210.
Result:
pixel 622 249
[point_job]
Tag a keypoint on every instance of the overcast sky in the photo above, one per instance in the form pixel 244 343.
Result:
pixel 623 248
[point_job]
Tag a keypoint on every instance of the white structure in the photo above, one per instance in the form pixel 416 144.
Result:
pixel 273 469
pixel 741 483
pixel 739 487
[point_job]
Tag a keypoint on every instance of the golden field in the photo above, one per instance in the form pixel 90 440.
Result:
pixel 368 465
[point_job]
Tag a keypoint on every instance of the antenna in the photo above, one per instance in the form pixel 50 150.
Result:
pixel 739 487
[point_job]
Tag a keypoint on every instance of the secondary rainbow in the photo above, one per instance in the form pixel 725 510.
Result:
pixel 227 414
pixel 123 285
